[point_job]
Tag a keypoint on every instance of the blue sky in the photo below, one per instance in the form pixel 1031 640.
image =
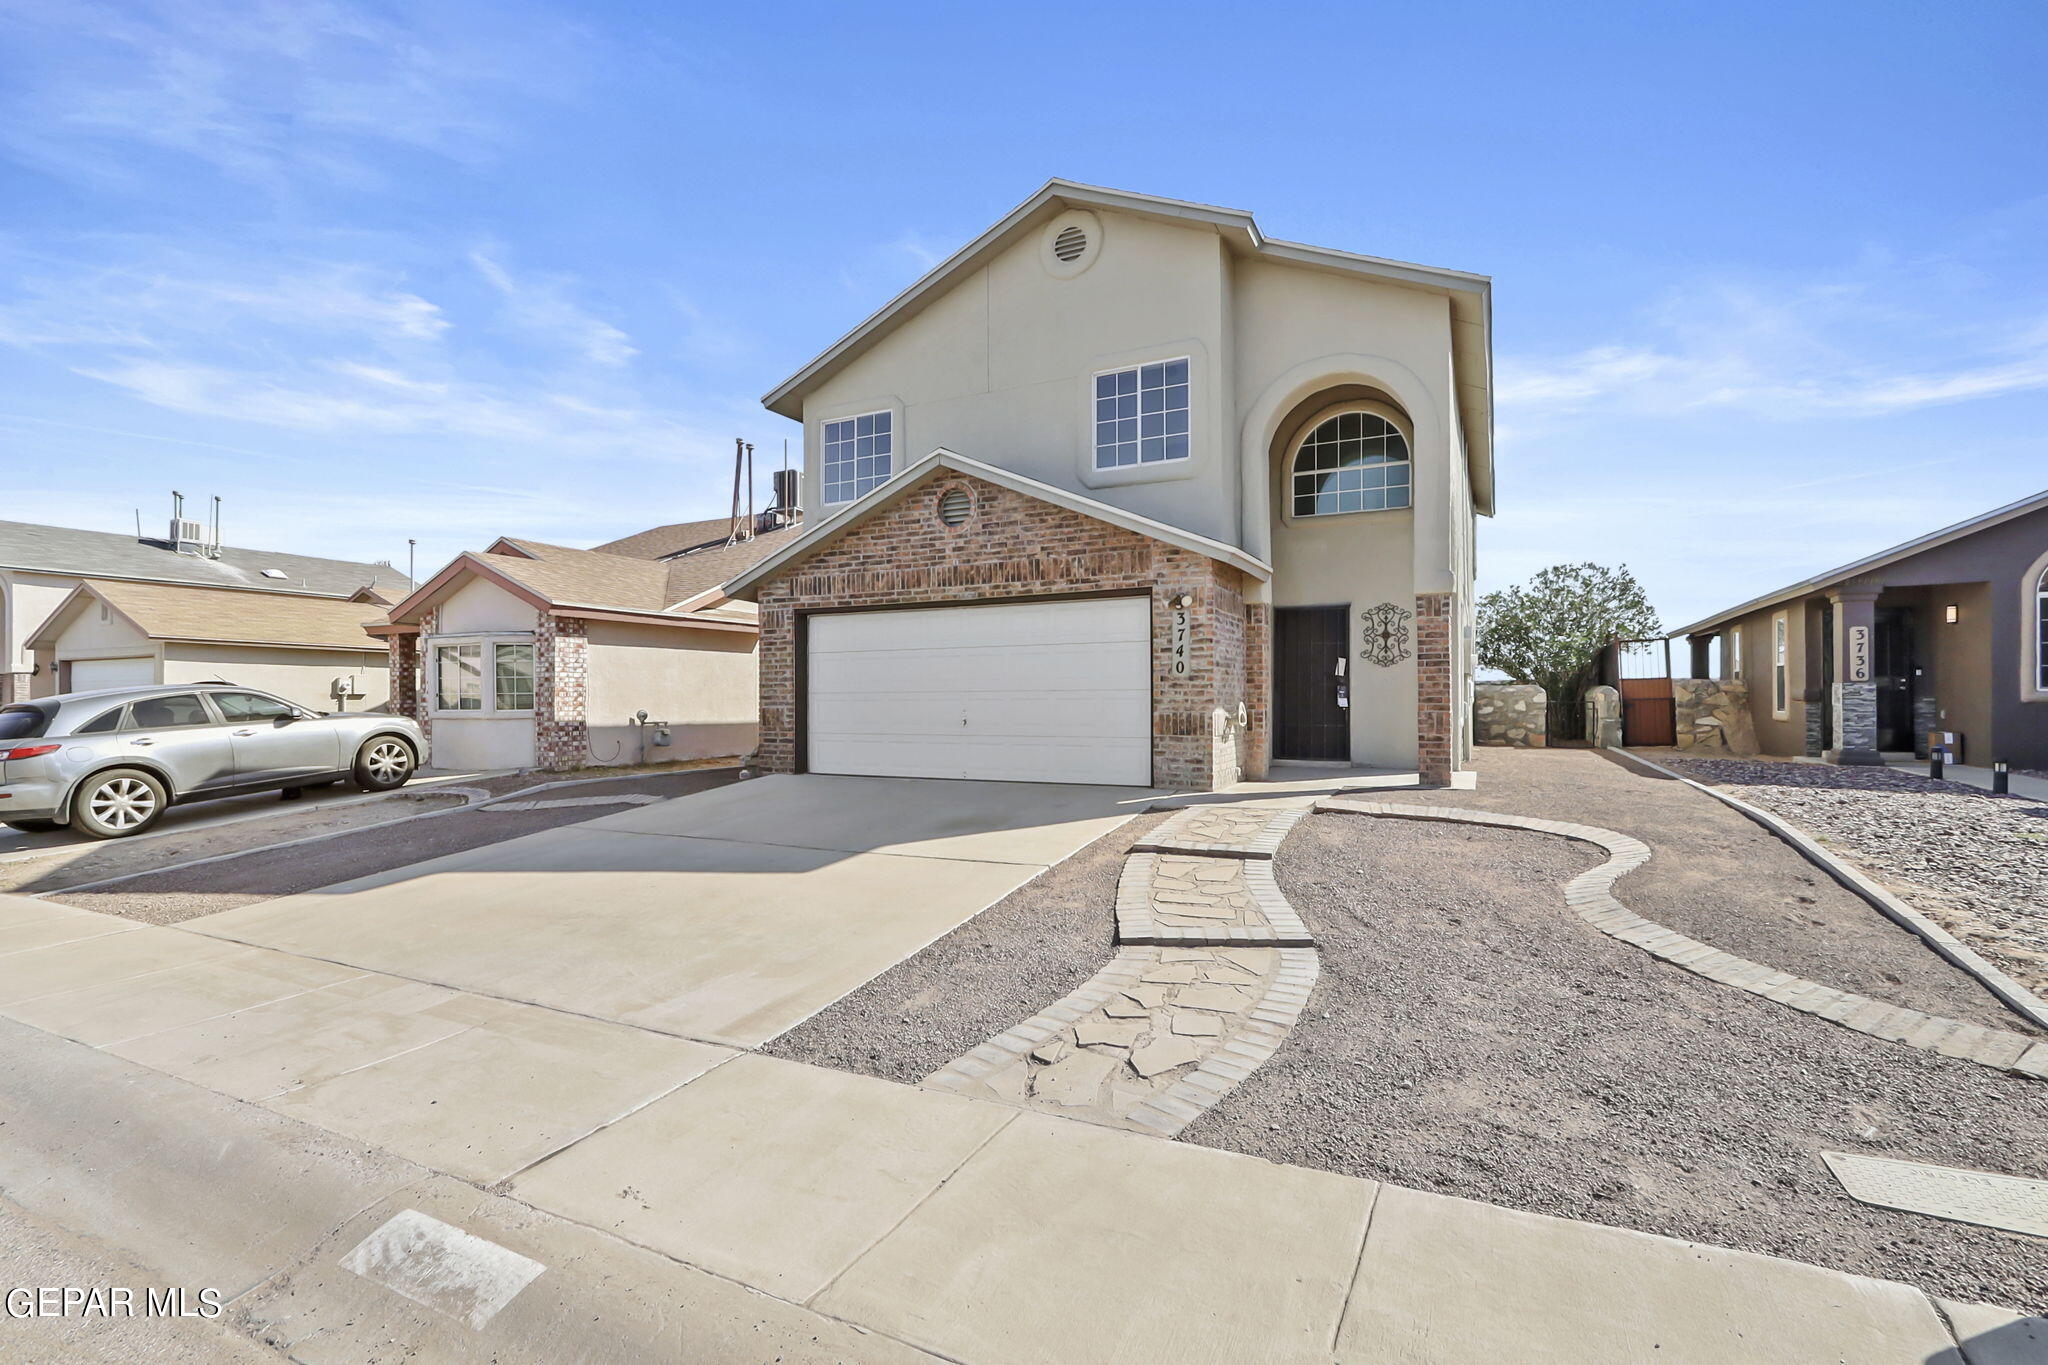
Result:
pixel 1769 279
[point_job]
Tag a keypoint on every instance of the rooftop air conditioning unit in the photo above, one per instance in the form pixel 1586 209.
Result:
pixel 187 534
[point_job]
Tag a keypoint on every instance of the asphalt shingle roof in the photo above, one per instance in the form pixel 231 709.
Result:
pixel 108 554
pixel 167 611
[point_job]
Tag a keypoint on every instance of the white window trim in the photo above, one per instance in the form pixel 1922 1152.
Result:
pixel 2033 616
pixel 892 411
pixel 490 640
pixel 1735 654
pixel 1385 412
pixel 1203 415
pixel 1095 451
pixel 1781 665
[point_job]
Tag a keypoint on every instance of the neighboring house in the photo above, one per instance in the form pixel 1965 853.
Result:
pixel 1947 633
pixel 532 655
pixel 311 650
pixel 1127 492
pixel 40 566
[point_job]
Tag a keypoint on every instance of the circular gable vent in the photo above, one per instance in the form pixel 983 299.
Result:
pixel 955 506
pixel 1072 241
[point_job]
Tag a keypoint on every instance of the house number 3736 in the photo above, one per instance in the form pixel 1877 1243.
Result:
pixel 1177 642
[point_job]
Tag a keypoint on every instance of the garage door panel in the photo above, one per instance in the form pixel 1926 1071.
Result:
pixel 1027 692
pixel 90 675
pixel 949 671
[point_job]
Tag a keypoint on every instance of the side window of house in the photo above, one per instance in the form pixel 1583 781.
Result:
pixel 1141 415
pixel 2041 632
pixel 1781 682
pixel 512 669
pixel 459 678
pixel 859 454
pixel 1735 652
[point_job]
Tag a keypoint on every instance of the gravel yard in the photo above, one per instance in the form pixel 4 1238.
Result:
pixel 1470 1036
pixel 1001 967
pixel 1975 862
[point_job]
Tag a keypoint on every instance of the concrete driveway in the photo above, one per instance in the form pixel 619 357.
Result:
pixel 725 917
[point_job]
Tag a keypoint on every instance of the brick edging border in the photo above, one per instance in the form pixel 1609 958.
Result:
pixel 1590 896
pixel 2016 996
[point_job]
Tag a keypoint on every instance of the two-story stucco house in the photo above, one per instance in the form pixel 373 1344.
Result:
pixel 1127 492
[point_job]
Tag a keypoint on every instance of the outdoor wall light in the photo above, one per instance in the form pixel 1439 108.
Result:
pixel 1950 613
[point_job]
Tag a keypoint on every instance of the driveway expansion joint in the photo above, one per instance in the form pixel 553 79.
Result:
pixel 1587 896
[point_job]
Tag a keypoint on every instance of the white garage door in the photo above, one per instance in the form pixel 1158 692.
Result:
pixel 1024 692
pixel 89 675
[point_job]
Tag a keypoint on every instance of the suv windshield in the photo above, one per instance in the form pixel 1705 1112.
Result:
pixel 22 722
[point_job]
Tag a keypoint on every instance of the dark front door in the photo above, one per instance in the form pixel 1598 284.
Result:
pixel 1311 649
pixel 1891 668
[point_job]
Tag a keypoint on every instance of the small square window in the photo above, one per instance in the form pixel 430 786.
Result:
pixel 857 453
pixel 1147 420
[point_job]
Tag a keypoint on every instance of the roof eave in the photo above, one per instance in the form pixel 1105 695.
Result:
pixel 742 585
pixel 1933 540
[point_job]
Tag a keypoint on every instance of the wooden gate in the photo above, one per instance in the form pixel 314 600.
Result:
pixel 1641 670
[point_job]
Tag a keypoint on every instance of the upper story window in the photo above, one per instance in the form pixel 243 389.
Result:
pixel 1141 415
pixel 859 454
pixel 1352 462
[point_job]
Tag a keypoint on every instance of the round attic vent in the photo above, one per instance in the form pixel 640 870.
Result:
pixel 955 506
pixel 1072 241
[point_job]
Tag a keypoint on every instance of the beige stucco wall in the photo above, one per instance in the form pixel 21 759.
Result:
pixel 298 675
pixel 1784 737
pixel 1961 659
pixel 480 607
pixel 26 601
pixel 705 683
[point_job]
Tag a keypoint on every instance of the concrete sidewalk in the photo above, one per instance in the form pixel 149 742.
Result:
pixel 769 1210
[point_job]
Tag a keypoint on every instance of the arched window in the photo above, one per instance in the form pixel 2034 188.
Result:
pixel 1352 462
pixel 2041 631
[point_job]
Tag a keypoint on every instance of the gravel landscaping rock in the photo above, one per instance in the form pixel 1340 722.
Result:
pixel 1974 862
pixel 998 969
pixel 1723 879
pixel 1471 1036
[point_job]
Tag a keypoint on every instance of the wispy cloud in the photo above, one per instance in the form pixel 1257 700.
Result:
pixel 1873 343
pixel 268 90
pixel 543 307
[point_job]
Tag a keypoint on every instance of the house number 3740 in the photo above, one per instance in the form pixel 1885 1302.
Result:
pixel 1177 641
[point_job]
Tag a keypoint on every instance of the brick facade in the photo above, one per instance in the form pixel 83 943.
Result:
pixel 561 679
pixel 14 686
pixel 1013 547
pixel 1434 680
pixel 409 682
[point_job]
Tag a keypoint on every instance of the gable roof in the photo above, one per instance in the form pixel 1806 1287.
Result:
pixel 660 542
pixel 684 590
pixel 825 532
pixel 1904 550
pixel 1471 298
pixel 166 611
pixel 106 555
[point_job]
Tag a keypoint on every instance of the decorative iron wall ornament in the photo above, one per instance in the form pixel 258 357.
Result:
pixel 1386 635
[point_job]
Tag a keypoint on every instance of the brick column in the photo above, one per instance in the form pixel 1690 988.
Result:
pixel 405 675
pixel 1855 691
pixel 561 674
pixel 1258 689
pixel 1433 683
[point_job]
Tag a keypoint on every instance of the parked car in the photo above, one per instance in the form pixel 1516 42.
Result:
pixel 109 763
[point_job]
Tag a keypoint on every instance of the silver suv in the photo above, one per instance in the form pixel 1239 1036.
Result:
pixel 109 763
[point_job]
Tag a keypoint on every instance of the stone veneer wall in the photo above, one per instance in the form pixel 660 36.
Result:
pixel 1433 685
pixel 561 678
pixel 1712 715
pixel 1014 546
pixel 1512 714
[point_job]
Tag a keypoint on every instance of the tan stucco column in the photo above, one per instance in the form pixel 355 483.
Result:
pixel 1854 692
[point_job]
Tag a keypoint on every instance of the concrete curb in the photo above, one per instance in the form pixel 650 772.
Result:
pixel 1589 895
pixel 2021 1000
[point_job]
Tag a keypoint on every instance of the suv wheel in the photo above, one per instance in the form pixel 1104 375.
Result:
pixel 383 764
pixel 117 804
